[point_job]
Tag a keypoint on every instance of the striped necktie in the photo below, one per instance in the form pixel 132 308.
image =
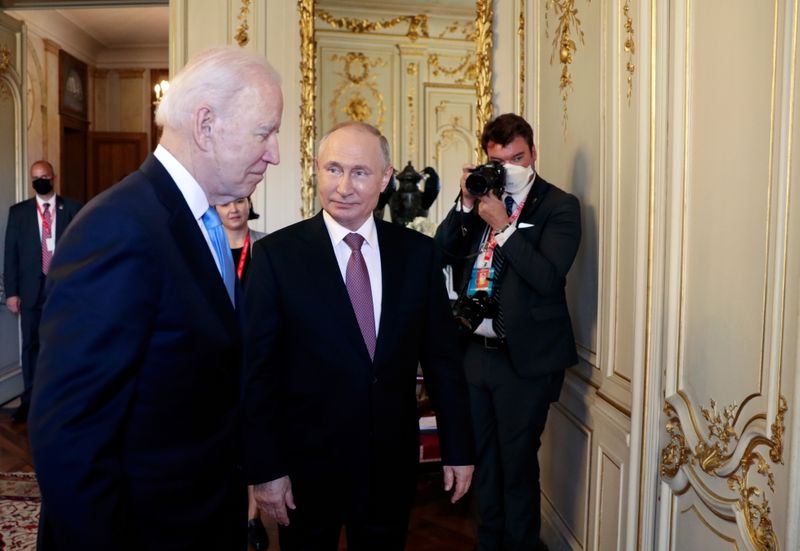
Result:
pixel 498 262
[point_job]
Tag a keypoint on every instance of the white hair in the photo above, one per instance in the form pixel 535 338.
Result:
pixel 212 77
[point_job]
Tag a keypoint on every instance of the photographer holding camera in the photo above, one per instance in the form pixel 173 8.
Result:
pixel 511 239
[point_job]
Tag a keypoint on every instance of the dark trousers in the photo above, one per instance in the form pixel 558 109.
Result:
pixel 508 416
pixel 30 317
pixel 306 533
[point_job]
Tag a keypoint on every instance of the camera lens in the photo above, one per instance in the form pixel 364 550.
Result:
pixel 485 178
pixel 477 184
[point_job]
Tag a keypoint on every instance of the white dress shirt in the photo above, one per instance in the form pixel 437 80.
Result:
pixel 369 250
pixel 192 193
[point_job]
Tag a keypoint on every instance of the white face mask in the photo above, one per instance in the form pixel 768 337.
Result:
pixel 517 177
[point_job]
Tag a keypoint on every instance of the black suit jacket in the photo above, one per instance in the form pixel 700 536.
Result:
pixel 538 256
pixel 345 428
pixel 134 417
pixel 23 247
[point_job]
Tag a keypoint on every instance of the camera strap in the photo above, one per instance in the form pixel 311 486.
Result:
pixel 482 277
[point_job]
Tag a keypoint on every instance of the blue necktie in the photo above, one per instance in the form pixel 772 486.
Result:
pixel 509 201
pixel 220 243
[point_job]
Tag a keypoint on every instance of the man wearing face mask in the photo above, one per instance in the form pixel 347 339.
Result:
pixel 34 228
pixel 513 248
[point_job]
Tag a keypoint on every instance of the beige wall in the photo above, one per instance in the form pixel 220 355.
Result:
pixel 685 290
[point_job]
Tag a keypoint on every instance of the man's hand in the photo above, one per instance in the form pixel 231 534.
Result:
pixel 493 211
pixel 467 199
pixel 461 475
pixel 274 497
pixel 13 304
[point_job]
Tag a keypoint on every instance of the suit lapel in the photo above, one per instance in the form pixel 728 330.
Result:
pixel 191 243
pixel 60 217
pixel 331 287
pixel 535 198
pixel 392 268
pixel 30 219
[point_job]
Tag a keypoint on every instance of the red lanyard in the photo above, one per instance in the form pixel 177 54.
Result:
pixel 491 243
pixel 45 223
pixel 242 259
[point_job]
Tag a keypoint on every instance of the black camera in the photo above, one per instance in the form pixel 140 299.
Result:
pixel 485 178
pixel 469 311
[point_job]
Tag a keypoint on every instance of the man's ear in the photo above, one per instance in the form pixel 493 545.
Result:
pixel 203 126
pixel 387 175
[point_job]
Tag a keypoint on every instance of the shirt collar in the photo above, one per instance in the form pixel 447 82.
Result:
pixel 338 232
pixel 192 193
pixel 41 202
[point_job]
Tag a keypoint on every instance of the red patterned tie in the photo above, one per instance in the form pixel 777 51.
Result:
pixel 360 291
pixel 47 223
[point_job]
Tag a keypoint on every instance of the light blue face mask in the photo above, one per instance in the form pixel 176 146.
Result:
pixel 517 177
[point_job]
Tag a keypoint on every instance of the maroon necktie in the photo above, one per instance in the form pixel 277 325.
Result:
pixel 47 224
pixel 357 281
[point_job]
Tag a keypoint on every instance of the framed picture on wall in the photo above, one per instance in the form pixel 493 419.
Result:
pixel 72 88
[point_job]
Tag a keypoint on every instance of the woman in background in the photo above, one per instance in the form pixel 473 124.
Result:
pixel 234 216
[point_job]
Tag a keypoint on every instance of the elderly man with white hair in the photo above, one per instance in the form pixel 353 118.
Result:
pixel 135 415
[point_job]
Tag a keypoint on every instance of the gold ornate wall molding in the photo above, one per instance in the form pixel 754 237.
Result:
pixel 465 71
pixel 567 31
pixel 700 454
pixel 417 24
pixel 308 85
pixel 629 46
pixel 356 79
pixel 406 99
pixel 483 57
pixel 242 35
pixel 5 65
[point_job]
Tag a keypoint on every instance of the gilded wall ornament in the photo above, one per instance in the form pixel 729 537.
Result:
pixel 417 24
pixel 5 59
pixel 483 59
pixel 242 37
pixel 629 47
pixel 308 86
pixel 5 64
pixel 726 453
pixel 412 71
pixel 418 27
pixel 355 78
pixel 467 68
pixel 465 30
pixel 568 28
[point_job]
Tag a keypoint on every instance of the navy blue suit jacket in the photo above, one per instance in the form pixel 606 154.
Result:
pixel 345 428
pixel 134 416
pixel 22 263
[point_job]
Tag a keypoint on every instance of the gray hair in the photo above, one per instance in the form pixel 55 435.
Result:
pixel 213 77
pixel 387 160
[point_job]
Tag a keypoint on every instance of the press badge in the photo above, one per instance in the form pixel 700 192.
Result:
pixel 482 279
pixel 50 243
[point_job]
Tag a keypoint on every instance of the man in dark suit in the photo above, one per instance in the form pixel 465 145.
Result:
pixel 34 228
pixel 134 423
pixel 341 310
pixel 513 248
